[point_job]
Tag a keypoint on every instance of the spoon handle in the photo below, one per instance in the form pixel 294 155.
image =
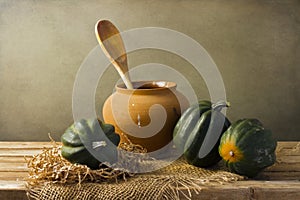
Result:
pixel 125 77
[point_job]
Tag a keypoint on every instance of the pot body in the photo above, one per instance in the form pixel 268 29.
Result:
pixel 146 115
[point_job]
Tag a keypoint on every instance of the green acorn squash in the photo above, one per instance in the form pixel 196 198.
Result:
pixel 197 123
pixel 247 147
pixel 90 142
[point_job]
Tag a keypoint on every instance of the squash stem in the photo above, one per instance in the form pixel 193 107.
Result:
pixel 219 105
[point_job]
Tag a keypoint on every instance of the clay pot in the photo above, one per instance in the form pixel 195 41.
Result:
pixel 146 115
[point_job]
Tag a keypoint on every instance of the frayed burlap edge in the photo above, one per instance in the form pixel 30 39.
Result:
pixel 171 182
pixel 143 187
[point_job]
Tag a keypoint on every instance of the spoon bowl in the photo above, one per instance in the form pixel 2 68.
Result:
pixel 113 47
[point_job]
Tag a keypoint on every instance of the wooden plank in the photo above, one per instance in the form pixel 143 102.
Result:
pixel 12 185
pixel 25 145
pixel 250 193
pixel 273 193
pixel 18 152
pixel 287 144
pixel 13 176
pixel 244 194
pixel 278 176
pixel 288 152
pixel 288 149
pixel 288 159
pixel 10 159
pixel 243 190
pixel 284 167
pixel 264 184
pixel 13 167
pixel 13 171
pixel 216 194
pixel 237 190
pixel 13 195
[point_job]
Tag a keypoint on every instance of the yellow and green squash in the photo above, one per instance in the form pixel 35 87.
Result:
pixel 247 147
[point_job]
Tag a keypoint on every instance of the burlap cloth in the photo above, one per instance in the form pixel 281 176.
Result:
pixel 171 182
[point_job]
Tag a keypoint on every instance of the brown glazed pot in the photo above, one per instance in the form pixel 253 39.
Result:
pixel 146 115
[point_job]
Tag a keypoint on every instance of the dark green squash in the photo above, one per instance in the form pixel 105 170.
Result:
pixel 247 147
pixel 90 142
pixel 196 123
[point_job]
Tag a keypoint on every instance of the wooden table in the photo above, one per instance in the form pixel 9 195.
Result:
pixel 281 181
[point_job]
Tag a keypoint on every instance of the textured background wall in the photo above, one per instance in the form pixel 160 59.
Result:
pixel 255 44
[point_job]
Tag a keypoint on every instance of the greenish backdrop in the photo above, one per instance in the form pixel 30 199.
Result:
pixel 255 44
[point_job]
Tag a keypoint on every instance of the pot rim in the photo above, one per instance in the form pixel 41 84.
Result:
pixel 151 85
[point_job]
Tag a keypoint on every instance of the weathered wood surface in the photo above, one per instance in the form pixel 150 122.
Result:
pixel 280 181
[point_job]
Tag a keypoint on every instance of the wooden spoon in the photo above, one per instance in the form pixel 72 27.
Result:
pixel 113 48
